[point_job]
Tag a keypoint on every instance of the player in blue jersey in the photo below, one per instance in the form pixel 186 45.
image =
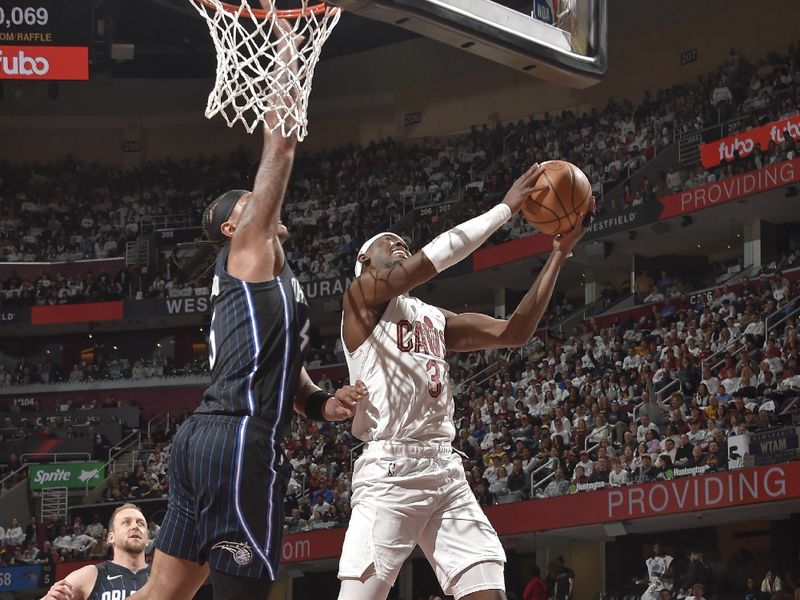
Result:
pixel 119 577
pixel 227 472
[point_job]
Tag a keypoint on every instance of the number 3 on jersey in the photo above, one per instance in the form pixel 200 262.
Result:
pixel 435 384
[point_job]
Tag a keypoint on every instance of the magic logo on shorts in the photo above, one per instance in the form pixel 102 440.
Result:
pixel 242 554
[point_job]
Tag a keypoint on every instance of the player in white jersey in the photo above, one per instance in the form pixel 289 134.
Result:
pixel 409 486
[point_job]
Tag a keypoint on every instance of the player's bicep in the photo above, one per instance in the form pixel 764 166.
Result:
pixel 82 581
pixel 474 331
pixel 375 288
pixel 253 257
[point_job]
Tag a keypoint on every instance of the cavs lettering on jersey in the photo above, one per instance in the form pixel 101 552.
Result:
pixel 259 335
pixel 402 364
pixel 115 582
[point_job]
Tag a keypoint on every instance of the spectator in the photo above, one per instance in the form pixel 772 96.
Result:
pixel 558 485
pixel 698 592
pixel 14 535
pixel 564 581
pixel 698 571
pixel 646 471
pixel 618 476
pixel 771 583
pixel 660 572
pixel 536 589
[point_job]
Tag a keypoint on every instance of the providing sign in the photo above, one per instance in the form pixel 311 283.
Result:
pixel 686 494
pixel 732 188
pixel 68 475
pixel 744 143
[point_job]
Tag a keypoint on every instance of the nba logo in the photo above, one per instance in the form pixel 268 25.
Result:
pixel 545 11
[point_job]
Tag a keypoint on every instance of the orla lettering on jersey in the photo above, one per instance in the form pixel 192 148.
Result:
pixel 116 595
pixel 421 337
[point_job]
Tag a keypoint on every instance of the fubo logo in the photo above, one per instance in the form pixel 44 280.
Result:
pixel 22 64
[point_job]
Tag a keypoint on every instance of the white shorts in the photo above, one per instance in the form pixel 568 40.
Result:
pixel 404 495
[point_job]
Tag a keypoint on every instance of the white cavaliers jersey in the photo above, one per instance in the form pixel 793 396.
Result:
pixel 402 364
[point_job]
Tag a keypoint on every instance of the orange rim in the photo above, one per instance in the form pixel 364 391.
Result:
pixel 260 13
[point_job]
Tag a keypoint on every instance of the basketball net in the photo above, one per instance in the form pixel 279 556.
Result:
pixel 264 74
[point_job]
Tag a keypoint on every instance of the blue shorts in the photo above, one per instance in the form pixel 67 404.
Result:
pixel 227 483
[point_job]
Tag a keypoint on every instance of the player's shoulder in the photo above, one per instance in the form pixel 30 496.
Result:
pixel 83 579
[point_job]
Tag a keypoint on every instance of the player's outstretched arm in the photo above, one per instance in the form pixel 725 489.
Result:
pixel 255 253
pixel 318 405
pixel 473 331
pixel 75 586
pixel 376 287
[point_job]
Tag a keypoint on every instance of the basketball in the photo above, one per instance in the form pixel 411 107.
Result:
pixel 555 209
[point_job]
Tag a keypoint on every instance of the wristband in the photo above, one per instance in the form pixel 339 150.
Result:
pixel 455 245
pixel 314 404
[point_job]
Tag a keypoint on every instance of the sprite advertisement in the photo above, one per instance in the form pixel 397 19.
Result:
pixel 68 475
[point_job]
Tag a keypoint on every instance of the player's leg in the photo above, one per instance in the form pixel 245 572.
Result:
pixel 233 587
pixel 366 587
pixel 391 505
pixel 483 581
pixel 173 578
pixel 461 545
pixel 176 573
pixel 243 514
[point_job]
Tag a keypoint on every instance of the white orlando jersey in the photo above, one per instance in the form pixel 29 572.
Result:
pixel 402 364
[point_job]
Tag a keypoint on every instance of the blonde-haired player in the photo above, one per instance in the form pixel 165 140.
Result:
pixel 119 577
pixel 409 486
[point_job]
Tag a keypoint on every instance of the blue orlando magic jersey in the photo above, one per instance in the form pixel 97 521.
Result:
pixel 258 338
pixel 115 582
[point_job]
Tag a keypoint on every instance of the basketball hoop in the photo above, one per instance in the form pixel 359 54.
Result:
pixel 263 76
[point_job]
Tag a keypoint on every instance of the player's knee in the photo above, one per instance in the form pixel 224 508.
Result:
pixel 367 587
pixel 481 581
pixel 232 587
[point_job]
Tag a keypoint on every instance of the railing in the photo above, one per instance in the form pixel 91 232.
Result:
pixel 656 395
pixel 689 141
pixel 9 476
pixel 151 223
pixel 76 456
pixel 787 313
pixel 479 373
pixel 539 469
pixel 115 451
pixel 541 484
pixel 785 411
pixel 589 437
pixel 585 312
pixel 737 341
pixel 155 421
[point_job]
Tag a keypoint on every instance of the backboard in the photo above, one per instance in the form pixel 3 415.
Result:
pixel 563 41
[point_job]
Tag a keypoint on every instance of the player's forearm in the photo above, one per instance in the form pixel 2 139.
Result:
pixel 270 184
pixel 305 389
pixel 521 325
pixel 453 246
